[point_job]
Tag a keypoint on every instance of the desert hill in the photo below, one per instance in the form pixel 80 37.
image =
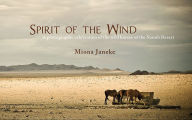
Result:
pixel 144 72
pixel 36 67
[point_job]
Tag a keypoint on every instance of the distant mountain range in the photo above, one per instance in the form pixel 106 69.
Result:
pixel 177 72
pixel 144 72
pixel 47 67
pixel 36 67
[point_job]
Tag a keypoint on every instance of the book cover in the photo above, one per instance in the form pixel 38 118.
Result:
pixel 96 59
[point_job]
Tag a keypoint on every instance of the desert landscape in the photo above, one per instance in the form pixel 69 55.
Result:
pixel 81 96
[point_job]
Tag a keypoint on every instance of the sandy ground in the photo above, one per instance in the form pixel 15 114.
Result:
pixel 68 97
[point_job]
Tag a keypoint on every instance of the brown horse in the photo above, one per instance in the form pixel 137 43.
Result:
pixel 130 94
pixel 112 93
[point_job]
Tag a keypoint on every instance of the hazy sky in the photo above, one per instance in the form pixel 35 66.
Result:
pixel 163 17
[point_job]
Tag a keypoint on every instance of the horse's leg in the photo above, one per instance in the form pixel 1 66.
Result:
pixel 135 99
pixel 118 99
pixel 121 97
pixel 106 97
pixel 131 99
pixel 113 99
pixel 127 98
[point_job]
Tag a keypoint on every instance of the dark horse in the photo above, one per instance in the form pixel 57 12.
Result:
pixel 120 95
pixel 112 93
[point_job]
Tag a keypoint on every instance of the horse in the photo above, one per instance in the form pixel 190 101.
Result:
pixel 130 94
pixel 120 95
pixel 112 93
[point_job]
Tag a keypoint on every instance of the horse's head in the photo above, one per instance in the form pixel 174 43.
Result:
pixel 140 96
